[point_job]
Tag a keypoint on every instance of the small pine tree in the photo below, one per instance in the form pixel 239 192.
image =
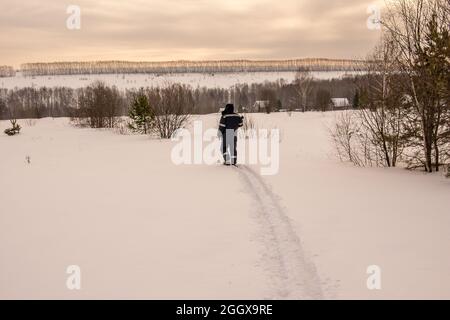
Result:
pixel 141 114
pixel 15 128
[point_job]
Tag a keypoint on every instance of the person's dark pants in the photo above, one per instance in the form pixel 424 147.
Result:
pixel 229 147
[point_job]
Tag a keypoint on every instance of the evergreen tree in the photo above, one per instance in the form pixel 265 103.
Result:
pixel 433 68
pixel 323 99
pixel 356 102
pixel 141 114
pixel 279 105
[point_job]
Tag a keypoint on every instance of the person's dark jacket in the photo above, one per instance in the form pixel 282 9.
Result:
pixel 230 120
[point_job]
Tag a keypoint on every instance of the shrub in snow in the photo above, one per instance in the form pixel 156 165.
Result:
pixel 122 127
pixel 447 171
pixel 30 122
pixel 249 128
pixel 171 106
pixel 352 141
pixel 14 130
pixel 98 106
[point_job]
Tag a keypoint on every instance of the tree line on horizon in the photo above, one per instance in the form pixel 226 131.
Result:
pixel 7 71
pixel 164 67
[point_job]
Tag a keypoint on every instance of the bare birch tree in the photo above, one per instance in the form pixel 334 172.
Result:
pixel 381 112
pixel 303 85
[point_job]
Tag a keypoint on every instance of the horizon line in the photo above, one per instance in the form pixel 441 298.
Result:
pixel 199 60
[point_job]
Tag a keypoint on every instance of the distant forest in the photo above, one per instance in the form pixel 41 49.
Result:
pixel 31 102
pixel 219 66
pixel 7 71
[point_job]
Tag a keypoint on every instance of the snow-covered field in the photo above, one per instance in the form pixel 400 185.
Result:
pixel 128 81
pixel 141 227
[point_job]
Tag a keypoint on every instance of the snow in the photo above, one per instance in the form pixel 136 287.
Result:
pixel 141 227
pixel 129 81
pixel 118 208
pixel 351 218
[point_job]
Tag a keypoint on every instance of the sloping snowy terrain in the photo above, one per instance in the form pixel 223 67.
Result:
pixel 141 227
pixel 129 81
pixel 351 218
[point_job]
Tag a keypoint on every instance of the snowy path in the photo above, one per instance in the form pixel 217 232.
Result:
pixel 292 275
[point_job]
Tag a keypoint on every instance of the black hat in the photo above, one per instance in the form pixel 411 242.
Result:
pixel 229 108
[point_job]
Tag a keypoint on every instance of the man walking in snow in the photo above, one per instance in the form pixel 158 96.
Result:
pixel 229 123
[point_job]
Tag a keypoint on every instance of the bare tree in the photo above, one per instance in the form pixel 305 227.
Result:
pixel 303 84
pixel 381 111
pixel 352 142
pixel 98 106
pixel 172 106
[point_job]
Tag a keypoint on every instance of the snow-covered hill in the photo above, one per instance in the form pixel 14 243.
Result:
pixel 141 227
pixel 127 81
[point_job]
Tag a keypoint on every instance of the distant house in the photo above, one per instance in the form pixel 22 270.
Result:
pixel 260 105
pixel 339 103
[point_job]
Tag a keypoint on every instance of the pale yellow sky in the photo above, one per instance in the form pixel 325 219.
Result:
pixel 35 30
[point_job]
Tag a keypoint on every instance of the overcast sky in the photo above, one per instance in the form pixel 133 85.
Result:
pixel 35 30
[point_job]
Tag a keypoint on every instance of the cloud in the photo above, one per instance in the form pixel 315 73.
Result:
pixel 35 30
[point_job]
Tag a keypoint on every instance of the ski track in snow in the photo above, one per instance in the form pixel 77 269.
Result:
pixel 292 274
